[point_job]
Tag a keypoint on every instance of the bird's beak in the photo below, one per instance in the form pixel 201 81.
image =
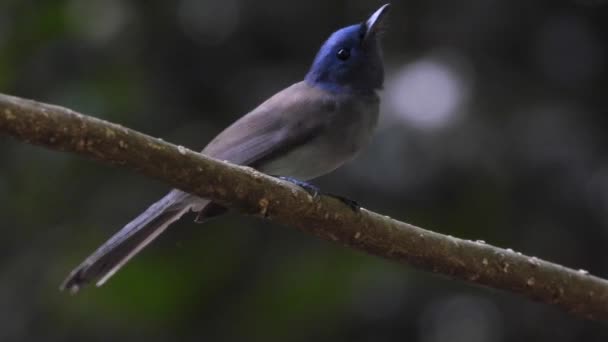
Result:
pixel 374 23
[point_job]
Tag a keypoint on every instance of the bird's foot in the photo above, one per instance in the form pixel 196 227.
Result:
pixel 352 204
pixel 314 191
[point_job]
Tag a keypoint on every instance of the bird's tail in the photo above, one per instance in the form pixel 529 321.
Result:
pixel 131 239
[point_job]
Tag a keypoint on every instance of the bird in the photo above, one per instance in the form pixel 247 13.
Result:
pixel 302 132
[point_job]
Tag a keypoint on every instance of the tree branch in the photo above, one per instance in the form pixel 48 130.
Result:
pixel 255 193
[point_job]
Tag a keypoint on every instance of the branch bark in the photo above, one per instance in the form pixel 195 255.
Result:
pixel 255 193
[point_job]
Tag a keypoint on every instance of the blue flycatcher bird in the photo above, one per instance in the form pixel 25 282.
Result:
pixel 304 131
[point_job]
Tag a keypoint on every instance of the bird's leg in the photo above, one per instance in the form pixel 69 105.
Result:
pixel 314 191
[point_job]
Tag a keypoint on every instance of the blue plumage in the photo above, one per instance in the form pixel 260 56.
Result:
pixel 303 131
pixel 348 62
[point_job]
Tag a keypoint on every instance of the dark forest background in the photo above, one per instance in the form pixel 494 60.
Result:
pixel 493 127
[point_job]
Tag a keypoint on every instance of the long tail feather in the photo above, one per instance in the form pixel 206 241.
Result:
pixel 131 239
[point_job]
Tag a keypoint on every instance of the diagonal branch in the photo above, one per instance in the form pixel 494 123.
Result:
pixel 255 193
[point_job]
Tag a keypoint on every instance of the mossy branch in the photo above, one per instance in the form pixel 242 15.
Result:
pixel 255 193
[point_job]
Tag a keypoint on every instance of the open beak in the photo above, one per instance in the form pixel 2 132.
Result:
pixel 374 23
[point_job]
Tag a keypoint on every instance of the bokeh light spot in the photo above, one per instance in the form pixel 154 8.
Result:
pixel 427 93
pixel 98 21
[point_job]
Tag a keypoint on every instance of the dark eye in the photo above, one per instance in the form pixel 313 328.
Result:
pixel 343 54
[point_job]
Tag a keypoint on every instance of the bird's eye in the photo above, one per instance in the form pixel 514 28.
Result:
pixel 343 54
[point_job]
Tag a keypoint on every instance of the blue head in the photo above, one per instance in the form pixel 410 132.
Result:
pixel 351 60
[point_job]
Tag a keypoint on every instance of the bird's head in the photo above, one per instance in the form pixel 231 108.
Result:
pixel 351 59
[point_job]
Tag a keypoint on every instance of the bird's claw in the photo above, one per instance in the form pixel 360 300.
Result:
pixel 352 204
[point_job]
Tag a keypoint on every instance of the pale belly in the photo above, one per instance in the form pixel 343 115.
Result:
pixel 326 152
pixel 306 162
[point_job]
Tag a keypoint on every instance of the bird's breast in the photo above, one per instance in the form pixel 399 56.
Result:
pixel 348 127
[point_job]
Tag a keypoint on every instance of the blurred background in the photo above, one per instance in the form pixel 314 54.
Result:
pixel 493 127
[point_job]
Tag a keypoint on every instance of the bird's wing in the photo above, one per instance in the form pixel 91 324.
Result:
pixel 290 118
